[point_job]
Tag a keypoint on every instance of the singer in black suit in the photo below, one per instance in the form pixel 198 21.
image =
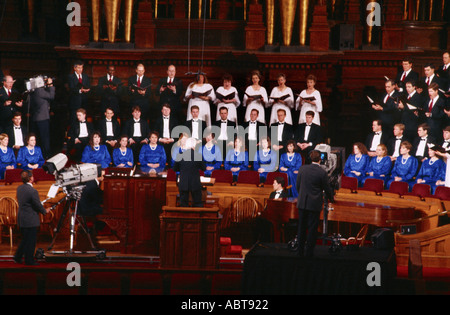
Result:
pixel 387 109
pixel 111 138
pixel 78 135
pixel 436 117
pixel 225 131
pixel 444 71
pixel 137 131
pixel 196 133
pixel 314 137
pixel 139 87
pixel 431 77
pixel 189 166
pixel 286 135
pixel 407 74
pixel 22 128
pixel 7 106
pixel 170 91
pixel 424 137
pixel 109 88
pixel 79 87
pixel 312 181
pixel 255 131
pixel 28 218
pixel 376 131
pixel 411 117
pixel 164 125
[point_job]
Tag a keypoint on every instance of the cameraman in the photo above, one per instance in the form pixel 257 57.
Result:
pixel 40 114
pixel 28 218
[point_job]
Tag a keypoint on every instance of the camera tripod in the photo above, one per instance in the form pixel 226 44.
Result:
pixel 73 196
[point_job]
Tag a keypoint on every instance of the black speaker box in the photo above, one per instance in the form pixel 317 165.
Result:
pixel 383 238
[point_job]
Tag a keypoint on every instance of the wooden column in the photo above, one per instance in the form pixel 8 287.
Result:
pixel 145 29
pixel 79 35
pixel 320 30
pixel 255 31
pixel 353 17
pixel 392 31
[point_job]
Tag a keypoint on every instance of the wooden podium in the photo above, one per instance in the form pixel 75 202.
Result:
pixel 189 238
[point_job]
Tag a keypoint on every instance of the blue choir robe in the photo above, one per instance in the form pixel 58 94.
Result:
pixel 176 151
pixel 380 168
pixel 353 164
pixel 292 166
pixel 7 159
pixel 154 156
pixel 100 156
pixel 212 157
pixel 268 162
pixel 24 157
pixel 404 169
pixel 119 158
pixel 233 160
pixel 431 172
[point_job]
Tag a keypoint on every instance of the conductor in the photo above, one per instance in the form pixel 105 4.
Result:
pixel 312 181
pixel 28 218
pixel 189 163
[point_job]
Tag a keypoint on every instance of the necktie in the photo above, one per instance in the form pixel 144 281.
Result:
pixel 252 122
pixel 110 79
pixel 139 82
pixel 281 123
pixel 9 92
pixel 399 138
pixel 165 117
pixel 428 81
pixel 17 128
pixel 404 76
pixel 409 97
pixel 80 79
pixel 170 81
pixel 423 139
pixel 377 133
pixel 430 107
pixel 224 121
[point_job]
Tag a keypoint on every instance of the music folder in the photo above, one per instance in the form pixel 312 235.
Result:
pixel 198 94
pixel 254 97
pixel 282 98
pixel 225 97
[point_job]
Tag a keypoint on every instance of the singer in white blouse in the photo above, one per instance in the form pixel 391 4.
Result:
pixel 305 105
pixel 277 92
pixel 252 102
pixel 231 103
pixel 200 85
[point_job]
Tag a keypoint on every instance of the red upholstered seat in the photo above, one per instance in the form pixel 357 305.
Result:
pixel 40 175
pixel 373 184
pixel 349 182
pixel 272 175
pixel 421 190
pixel 222 176
pixel 171 175
pixel 442 192
pixel 248 177
pixel 400 188
pixel 13 176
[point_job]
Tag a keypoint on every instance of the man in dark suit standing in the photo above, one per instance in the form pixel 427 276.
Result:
pixel 410 117
pixel 79 87
pixel 281 132
pixel 312 182
pixel 164 125
pixel 139 87
pixel 196 125
pixel 8 105
pixel 225 131
pixel 17 132
pixel 387 109
pixel 407 74
pixel 137 131
pixel 28 218
pixel 170 90
pixel 431 77
pixel 109 89
pixel 434 112
pixel 78 135
pixel 444 71
pixel 109 129
pixel 376 137
pixel 189 164
pixel 308 135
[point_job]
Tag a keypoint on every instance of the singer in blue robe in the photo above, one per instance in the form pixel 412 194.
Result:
pixel 7 158
pixel 405 167
pixel 212 157
pixel 96 154
pixel 289 164
pixel 25 156
pixel 432 170
pixel 119 158
pixel 357 163
pixel 152 154
pixel 265 160
pixel 379 168
pixel 236 160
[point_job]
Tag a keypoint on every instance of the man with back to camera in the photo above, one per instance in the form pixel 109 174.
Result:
pixel 28 218
pixel 312 181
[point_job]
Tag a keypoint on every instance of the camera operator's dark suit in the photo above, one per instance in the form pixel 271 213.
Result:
pixel 91 200
pixel 312 180
pixel 189 170
pixel 28 220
